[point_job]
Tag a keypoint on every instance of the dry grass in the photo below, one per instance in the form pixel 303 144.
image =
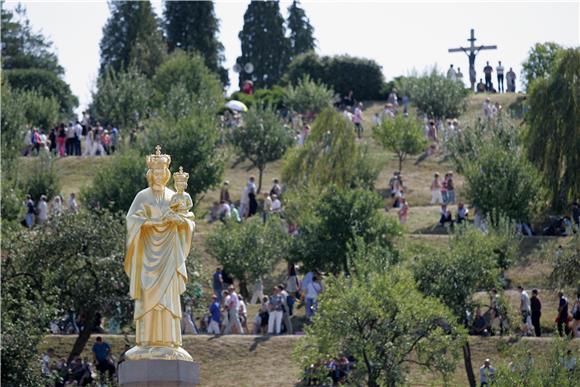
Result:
pixel 267 361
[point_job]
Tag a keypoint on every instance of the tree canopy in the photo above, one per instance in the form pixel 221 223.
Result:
pixel 132 36
pixel 401 135
pixel 330 155
pixel 193 26
pixel 301 31
pixel 262 138
pixel 540 61
pixel 553 136
pixel 22 48
pixel 308 97
pixel 264 44
pixel 386 324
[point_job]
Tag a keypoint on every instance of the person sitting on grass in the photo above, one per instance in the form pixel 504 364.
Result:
pixel 446 216
pixel 462 213
pixel 479 327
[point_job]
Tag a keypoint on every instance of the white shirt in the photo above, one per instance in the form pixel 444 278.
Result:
pixel 525 302
pixel 451 73
pixel 234 301
pixel 499 70
pixel 276 205
pixel 72 205
pixel 78 130
pixel 42 210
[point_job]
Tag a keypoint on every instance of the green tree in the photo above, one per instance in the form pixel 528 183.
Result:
pixel 503 183
pixel 132 36
pixel 27 309
pixel 435 95
pixel 262 138
pixel 114 187
pixel 122 98
pixel 386 324
pixel 192 141
pixel 264 44
pixel 193 26
pixel 308 96
pixel 84 267
pixel 248 250
pixel 564 273
pixel 301 31
pixel 332 221
pixel 342 73
pixel 540 61
pixel 330 156
pixel 22 48
pixel 525 367
pixel 47 84
pixel 43 180
pixel 189 74
pixel 401 135
pixel 553 137
pixel 470 263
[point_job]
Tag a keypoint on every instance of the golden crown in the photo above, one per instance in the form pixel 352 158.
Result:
pixel 180 177
pixel 158 160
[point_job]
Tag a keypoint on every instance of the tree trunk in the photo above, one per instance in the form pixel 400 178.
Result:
pixel 260 173
pixel 83 337
pixel 468 365
pixel 401 163
pixel 244 289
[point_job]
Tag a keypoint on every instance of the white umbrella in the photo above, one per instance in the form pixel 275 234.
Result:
pixel 237 106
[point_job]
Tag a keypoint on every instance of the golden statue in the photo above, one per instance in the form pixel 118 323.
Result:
pixel 159 232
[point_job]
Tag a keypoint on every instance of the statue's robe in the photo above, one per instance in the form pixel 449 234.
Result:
pixel 155 264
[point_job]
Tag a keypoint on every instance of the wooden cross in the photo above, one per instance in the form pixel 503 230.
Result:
pixel 471 52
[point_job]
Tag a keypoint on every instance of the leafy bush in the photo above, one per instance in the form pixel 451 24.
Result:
pixel 565 272
pixel 329 156
pixel 332 221
pixel 402 135
pixel 435 95
pixel 540 61
pixel 248 250
pixel 47 84
pixel 503 183
pixel 308 96
pixel 190 71
pixel 262 138
pixel 122 98
pixel 273 97
pixel 386 324
pixel 43 180
pixel 115 186
pixel 342 73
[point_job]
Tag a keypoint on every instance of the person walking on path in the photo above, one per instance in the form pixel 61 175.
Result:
pixel 233 312
pixel 536 307
pixel 215 316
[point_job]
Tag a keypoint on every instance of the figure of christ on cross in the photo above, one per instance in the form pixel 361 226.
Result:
pixel 471 52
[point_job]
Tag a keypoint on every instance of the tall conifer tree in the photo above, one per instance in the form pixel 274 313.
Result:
pixel 301 31
pixel 264 44
pixel 193 25
pixel 132 37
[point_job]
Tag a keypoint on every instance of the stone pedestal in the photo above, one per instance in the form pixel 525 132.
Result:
pixel 158 373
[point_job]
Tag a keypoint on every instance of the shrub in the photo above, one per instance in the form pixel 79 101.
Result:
pixel 342 73
pixel 435 95
pixel 43 180
pixel 308 96
pixel 115 186
pixel 47 84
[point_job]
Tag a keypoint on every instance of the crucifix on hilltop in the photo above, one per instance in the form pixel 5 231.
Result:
pixel 471 52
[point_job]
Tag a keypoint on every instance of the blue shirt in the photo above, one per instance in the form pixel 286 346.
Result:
pixel 101 351
pixel 214 309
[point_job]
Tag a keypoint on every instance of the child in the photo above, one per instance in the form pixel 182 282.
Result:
pixel 462 213
pixel 181 202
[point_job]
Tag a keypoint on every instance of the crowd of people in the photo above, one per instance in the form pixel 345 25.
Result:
pixel 506 81
pixel 66 140
pixel 228 311
pixel 39 212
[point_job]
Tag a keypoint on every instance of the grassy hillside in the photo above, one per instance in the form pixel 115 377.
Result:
pixel 266 361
